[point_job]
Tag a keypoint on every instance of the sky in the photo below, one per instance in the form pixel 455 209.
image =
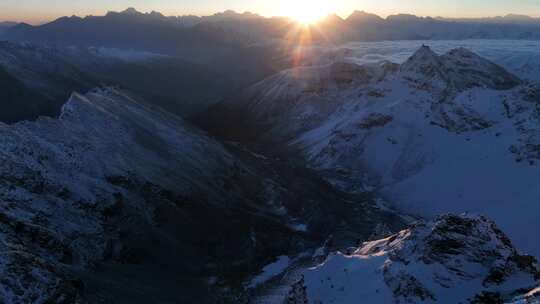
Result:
pixel 39 11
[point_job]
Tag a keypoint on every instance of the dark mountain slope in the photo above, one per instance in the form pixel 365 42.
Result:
pixel 132 30
pixel 177 85
pixel 117 201
pixel 18 101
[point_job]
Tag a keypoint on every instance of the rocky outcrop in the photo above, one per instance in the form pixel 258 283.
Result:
pixel 452 259
pixel 531 297
pixel 457 70
pixel 73 190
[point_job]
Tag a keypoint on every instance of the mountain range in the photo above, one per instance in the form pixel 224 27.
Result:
pixel 155 32
pixel 297 170
pixel 192 36
pixel 509 18
pixel 438 133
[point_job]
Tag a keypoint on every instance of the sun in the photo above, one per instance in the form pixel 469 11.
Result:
pixel 308 12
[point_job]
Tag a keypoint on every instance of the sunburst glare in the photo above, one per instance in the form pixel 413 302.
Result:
pixel 308 12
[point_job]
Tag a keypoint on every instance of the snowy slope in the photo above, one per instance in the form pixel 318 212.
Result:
pixel 61 188
pixel 122 200
pixel 453 259
pixel 440 133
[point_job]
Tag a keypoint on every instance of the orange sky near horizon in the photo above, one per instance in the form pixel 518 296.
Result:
pixel 39 11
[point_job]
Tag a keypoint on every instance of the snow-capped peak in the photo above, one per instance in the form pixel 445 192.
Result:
pixel 453 259
pixel 424 61
pixel 456 71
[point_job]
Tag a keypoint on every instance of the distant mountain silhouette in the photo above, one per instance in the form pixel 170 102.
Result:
pixel 204 37
pixel 36 80
pixel 127 29
pixel 362 17
pixel 4 26
pixel 510 18
pixel 7 24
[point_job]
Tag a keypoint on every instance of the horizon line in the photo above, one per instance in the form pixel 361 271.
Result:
pixel 342 16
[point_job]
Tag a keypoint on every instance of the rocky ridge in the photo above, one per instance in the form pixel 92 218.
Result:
pixel 452 259
pixel 102 197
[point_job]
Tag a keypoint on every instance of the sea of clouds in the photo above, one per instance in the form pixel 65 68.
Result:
pixel 521 57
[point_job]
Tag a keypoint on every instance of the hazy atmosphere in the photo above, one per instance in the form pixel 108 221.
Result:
pixel 269 152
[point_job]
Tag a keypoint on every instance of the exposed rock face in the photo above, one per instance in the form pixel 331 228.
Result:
pixel 424 62
pixel 459 69
pixel 532 92
pixel 298 294
pixel 453 259
pixel 531 297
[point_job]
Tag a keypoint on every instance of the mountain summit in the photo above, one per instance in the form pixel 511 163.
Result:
pixel 460 69
pixel 453 259
pixel 424 61
pixel 130 11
